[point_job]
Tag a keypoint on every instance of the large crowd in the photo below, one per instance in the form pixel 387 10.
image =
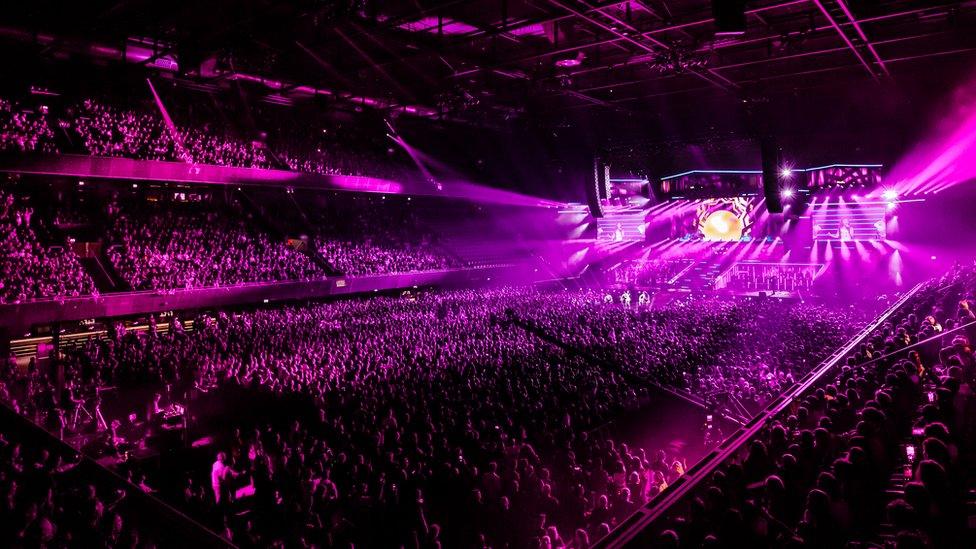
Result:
pixel 436 419
pixel 718 347
pixel 197 245
pixel 353 242
pixel 24 129
pixel 878 453
pixel 30 269
pixel 106 128
pixel 165 241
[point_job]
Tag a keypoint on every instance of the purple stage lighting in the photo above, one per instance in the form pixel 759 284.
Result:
pixel 889 194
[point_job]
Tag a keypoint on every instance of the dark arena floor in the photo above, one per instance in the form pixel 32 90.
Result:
pixel 557 274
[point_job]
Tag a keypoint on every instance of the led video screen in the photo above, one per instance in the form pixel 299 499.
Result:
pixel 849 221
pixel 717 220
pixel 624 225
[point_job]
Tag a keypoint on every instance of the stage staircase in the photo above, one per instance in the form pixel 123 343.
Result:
pixel 701 276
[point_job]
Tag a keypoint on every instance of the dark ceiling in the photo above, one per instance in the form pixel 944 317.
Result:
pixel 572 77
pixel 499 59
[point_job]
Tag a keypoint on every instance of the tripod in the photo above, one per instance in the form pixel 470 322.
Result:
pixel 80 408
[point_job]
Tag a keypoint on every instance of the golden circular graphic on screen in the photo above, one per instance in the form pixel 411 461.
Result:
pixel 722 225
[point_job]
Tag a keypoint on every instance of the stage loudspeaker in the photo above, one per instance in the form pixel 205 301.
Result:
pixel 647 189
pixel 593 188
pixel 656 192
pixel 602 172
pixel 730 16
pixel 770 175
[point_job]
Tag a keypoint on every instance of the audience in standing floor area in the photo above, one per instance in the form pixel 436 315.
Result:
pixel 432 419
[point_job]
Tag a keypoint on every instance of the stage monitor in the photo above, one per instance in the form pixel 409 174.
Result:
pixel 849 221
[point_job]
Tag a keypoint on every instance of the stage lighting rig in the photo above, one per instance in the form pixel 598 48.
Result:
pixel 678 60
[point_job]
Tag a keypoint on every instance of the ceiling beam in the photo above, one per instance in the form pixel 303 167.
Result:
pixel 616 38
pixel 843 35
pixel 362 53
pixel 834 68
pixel 656 46
pixel 765 60
pixel 860 32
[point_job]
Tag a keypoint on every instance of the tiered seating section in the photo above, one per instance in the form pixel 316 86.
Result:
pixel 47 503
pixel 25 129
pixel 880 454
pixel 174 239
pixel 103 128
pixel 367 235
pixel 197 245
pixel 30 269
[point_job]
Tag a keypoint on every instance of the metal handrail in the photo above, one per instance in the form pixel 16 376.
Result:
pixel 656 508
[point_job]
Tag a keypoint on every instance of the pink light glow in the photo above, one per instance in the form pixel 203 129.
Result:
pixel 366 184
pixel 535 29
pixel 947 157
pixel 432 24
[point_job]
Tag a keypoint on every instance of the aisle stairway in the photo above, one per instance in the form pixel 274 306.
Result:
pixel 104 282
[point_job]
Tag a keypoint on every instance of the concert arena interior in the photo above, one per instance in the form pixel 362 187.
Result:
pixel 544 274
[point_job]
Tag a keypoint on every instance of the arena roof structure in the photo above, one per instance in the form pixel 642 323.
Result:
pixel 494 61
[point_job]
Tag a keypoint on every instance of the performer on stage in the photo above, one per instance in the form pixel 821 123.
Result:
pixel 625 299
pixel 643 299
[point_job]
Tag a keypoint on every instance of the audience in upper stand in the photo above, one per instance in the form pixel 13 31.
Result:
pixel 155 241
pixel 108 131
pixel 195 245
pixel 28 268
pixel 25 129
pixel 369 236
pixel 100 128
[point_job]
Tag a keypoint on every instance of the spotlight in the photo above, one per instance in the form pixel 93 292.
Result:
pixel 889 194
pixel 786 193
pixel 786 172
